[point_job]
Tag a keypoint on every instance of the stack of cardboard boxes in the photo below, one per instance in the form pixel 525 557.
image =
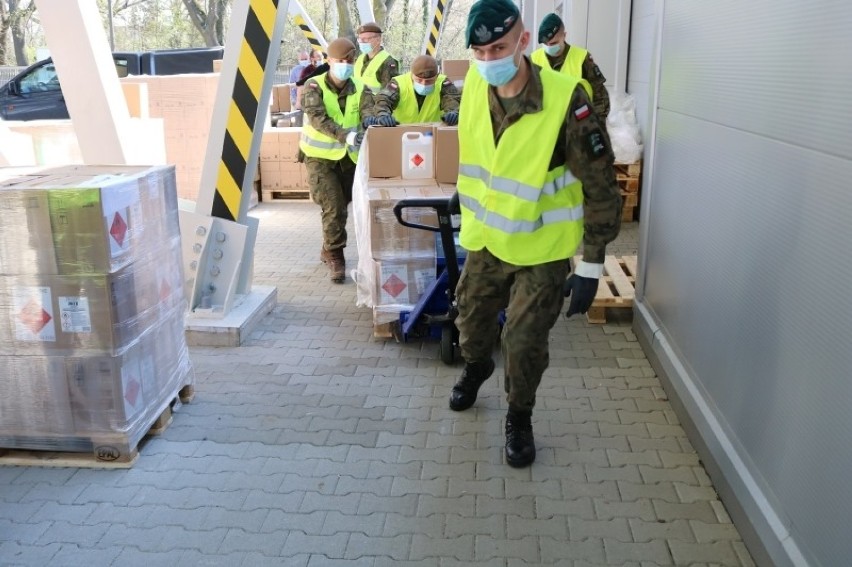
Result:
pixel 281 175
pixel 396 264
pixel 455 70
pixel 186 104
pixel 92 346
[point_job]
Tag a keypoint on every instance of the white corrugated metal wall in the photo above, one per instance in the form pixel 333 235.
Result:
pixel 744 257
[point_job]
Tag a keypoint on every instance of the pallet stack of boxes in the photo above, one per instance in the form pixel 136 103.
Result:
pixel 186 104
pixel 396 264
pixel 281 174
pixel 92 346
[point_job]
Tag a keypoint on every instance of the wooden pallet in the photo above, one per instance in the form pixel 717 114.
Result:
pixel 109 451
pixel 627 175
pixel 629 202
pixel 268 195
pixel 616 288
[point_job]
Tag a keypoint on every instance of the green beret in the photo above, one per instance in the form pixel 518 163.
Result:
pixel 489 20
pixel 550 26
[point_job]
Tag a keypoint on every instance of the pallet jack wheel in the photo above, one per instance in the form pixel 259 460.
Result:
pixel 448 347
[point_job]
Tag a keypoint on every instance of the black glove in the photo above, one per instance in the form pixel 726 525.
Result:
pixel 359 138
pixel 386 120
pixel 451 118
pixel 582 292
pixel 371 121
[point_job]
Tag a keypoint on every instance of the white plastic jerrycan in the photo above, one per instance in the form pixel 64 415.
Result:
pixel 417 155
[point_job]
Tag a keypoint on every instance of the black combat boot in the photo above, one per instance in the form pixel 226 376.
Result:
pixel 465 390
pixel 520 445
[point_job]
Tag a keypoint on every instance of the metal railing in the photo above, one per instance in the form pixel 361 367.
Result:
pixel 7 73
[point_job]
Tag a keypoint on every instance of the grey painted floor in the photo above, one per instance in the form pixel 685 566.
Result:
pixel 315 444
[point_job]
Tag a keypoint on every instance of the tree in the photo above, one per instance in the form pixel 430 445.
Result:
pixel 210 23
pixel 14 15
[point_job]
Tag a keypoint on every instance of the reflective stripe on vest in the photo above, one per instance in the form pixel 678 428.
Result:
pixel 573 64
pixel 316 144
pixel 406 111
pixel 370 75
pixel 511 203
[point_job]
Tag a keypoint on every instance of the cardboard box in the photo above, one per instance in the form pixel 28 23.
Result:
pixel 26 239
pixel 281 94
pixel 288 143
pixel 389 239
pixel 402 282
pixel 384 149
pixel 34 399
pixel 446 154
pixel 217 65
pixel 455 69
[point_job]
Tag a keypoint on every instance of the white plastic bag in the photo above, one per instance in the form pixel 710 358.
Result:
pixel 624 129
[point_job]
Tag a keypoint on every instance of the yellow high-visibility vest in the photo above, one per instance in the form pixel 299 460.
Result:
pixel 316 144
pixel 370 74
pixel 573 64
pixel 406 111
pixel 511 202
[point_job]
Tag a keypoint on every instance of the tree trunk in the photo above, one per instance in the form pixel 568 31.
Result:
pixel 4 31
pixel 344 18
pixel 205 21
pixel 17 17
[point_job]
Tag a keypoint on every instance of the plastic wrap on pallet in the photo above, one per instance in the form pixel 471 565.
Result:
pixel 51 314
pixel 92 307
pixel 395 263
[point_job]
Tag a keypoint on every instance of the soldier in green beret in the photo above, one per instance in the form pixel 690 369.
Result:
pixel 535 182
pixel 555 53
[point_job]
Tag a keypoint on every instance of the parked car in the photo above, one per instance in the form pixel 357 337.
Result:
pixel 35 93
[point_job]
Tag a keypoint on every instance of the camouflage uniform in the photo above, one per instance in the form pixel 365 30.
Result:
pixel 532 295
pixel 330 181
pixel 387 99
pixel 387 70
pixel 592 73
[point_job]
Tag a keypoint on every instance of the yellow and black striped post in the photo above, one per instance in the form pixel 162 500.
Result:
pixel 439 12
pixel 308 32
pixel 245 83
pixel 242 114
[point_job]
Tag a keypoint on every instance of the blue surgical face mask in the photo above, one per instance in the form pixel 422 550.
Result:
pixel 366 48
pixel 342 70
pixel 303 62
pixel 498 72
pixel 552 50
pixel 424 90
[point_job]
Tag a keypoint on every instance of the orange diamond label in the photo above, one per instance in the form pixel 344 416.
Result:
pixel 394 286
pixel 118 230
pixel 132 393
pixel 417 160
pixel 34 317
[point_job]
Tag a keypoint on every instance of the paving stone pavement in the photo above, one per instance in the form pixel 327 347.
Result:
pixel 316 445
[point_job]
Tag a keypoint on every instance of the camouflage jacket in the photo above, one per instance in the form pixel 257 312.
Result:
pixel 585 149
pixel 314 107
pixel 592 73
pixel 388 98
pixel 387 70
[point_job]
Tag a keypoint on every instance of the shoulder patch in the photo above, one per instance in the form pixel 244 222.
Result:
pixel 595 143
pixel 582 112
pixel 313 85
pixel 447 83
pixel 393 85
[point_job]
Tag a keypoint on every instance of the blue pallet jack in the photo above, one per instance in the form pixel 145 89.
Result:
pixel 435 312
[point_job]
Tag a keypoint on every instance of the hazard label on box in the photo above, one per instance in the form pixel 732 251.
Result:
pixel 74 315
pixel 33 314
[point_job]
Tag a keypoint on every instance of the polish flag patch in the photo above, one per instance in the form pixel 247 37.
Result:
pixel 582 113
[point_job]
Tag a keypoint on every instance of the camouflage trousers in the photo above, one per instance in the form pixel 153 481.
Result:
pixel 532 297
pixel 331 188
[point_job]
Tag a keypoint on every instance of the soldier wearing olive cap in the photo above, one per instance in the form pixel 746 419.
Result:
pixel 334 105
pixel 555 53
pixel 413 97
pixel 535 181
pixel 374 67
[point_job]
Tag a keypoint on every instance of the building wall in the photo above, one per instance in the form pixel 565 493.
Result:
pixel 743 303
